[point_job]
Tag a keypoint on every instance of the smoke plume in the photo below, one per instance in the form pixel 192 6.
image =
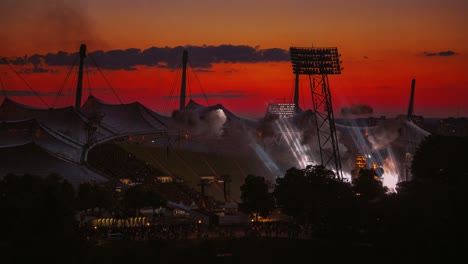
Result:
pixel 356 109
pixel 47 25
pixel 383 135
pixel 209 124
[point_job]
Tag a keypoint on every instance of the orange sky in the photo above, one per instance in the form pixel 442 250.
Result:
pixel 384 44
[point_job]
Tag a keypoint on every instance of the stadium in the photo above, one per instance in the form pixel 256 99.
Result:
pixel 199 152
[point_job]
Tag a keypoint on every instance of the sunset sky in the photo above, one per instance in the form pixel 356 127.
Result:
pixel 238 52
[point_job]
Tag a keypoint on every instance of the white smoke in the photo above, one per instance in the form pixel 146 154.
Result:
pixel 208 125
pixel 381 136
pixel 214 121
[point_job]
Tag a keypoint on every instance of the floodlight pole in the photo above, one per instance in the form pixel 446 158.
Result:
pixel 296 93
pixel 317 63
pixel 203 183
pixel 227 179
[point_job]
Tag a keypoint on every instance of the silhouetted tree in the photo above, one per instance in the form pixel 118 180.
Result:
pixel 139 196
pixel 441 162
pixel 85 198
pixel 154 199
pixel 431 209
pixel 134 199
pixel 104 198
pixel 37 216
pixel 441 157
pixel 255 196
pixel 315 195
pixel 370 194
pixel 91 196
pixel 291 191
pixel 367 185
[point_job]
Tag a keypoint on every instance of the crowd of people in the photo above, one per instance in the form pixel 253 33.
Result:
pixel 194 230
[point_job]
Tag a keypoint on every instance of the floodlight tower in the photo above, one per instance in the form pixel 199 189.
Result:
pixel 317 64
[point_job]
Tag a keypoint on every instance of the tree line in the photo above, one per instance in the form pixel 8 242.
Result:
pixel 426 213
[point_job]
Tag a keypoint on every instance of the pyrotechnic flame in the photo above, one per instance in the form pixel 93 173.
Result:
pixel 390 175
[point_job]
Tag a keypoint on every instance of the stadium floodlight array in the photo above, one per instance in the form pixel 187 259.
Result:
pixel 311 61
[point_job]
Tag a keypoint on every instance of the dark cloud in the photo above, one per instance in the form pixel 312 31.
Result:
pixel 440 53
pixel 26 93
pixel 14 61
pixel 356 109
pixel 232 70
pixel 118 88
pixel 200 57
pixel 35 70
pixel 36 61
pixel 203 70
pixel 100 90
pixel 223 94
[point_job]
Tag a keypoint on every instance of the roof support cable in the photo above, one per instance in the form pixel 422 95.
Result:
pixel 199 83
pixel 25 82
pixel 54 104
pixel 189 87
pixel 3 87
pixel 90 90
pixel 74 79
pixel 105 79
pixel 176 80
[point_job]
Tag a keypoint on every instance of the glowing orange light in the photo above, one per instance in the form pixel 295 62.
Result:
pixel 259 134
pixel 361 161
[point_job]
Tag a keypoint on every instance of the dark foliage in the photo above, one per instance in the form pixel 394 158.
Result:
pixel 38 220
pixel 432 207
pixel 91 196
pixel 255 196
pixel 367 185
pixel 315 196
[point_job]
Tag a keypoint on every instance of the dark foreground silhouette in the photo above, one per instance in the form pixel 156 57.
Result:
pixel 259 250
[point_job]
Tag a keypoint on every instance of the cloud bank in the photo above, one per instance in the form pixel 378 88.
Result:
pixel 200 57
pixel 440 53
